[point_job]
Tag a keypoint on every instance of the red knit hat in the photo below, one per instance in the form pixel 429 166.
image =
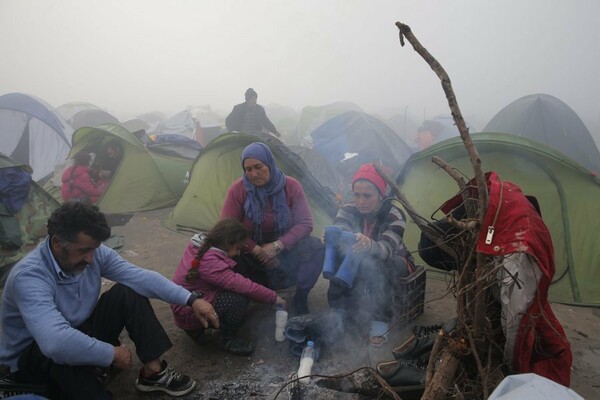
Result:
pixel 368 172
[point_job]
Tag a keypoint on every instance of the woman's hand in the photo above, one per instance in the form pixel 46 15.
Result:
pixel 281 302
pixel 269 251
pixel 266 255
pixel 363 243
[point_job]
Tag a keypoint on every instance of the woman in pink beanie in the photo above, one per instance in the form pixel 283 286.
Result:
pixel 378 225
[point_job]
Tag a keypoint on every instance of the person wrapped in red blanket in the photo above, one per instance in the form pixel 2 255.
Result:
pixel 516 236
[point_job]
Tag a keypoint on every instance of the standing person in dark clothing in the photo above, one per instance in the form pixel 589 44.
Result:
pixel 58 330
pixel 249 117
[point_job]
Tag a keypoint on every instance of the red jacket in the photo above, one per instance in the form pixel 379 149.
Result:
pixel 77 184
pixel 216 274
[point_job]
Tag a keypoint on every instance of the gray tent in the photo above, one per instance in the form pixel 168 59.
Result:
pixel 546 119
pixel 81 114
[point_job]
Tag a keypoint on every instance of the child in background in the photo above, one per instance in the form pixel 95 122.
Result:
pixel 77 184
pixel 207 268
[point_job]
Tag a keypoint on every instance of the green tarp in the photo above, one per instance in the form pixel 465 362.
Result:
pixel 567 192
pixel 218 165
pixel 30 220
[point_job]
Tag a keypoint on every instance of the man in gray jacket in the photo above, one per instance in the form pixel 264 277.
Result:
pixel 57 329
pixel 249 117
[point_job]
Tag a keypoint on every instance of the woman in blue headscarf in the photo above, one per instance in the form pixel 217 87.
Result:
pixel 280 252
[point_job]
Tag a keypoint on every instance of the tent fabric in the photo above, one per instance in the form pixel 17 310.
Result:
pixel 92 118
pixel 136 124
pixel 548 120
pixel 32 133
pixel 154 119
pixel 218 165
pixel 81 114
pixel 568 195
pixel 284 118
pixel 319 167
pixel 30 219
pixel 14 186
pixel 358 133
pixel 175 145
pixel 404 126
pixel 531 387
pixel 68 110
pixel 144 180
pixel 311 117
pixel 198 123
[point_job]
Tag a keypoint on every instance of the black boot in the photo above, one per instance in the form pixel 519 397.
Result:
pixel 235 345
pixel 299 303
pixel 422 340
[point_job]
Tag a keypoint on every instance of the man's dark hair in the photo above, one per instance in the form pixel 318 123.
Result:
pixel 250 94
pixel 71 218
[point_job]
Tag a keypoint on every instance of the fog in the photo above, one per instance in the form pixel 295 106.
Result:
pixel 135 56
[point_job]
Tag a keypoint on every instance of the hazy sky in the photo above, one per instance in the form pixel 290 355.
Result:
pixel 135 56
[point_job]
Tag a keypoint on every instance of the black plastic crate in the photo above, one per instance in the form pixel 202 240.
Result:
pixel 409 296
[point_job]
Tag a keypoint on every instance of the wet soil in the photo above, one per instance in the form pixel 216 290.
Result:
pixel 264 374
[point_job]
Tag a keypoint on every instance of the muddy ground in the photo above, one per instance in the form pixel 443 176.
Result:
pixel 263 374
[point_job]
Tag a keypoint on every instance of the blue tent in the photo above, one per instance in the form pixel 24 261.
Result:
pixel 358 133
pixel 32 133
pixel 354 138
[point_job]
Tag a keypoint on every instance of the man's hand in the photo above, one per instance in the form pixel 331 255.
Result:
pixel 205 313
pixel 122 358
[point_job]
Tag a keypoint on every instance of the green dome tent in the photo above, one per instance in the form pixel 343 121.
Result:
pixel 27 225
pixel 568 195
pixel 144 180
pixel 218 165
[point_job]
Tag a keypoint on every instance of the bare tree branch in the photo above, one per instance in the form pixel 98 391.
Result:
pixel 456 114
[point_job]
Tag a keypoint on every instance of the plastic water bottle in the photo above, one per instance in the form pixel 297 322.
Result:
pixel 306 362
pixel 281 317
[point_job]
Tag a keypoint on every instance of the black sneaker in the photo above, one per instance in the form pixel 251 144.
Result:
pixel 167 380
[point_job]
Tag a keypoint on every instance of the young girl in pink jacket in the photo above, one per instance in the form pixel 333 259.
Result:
pixel 208 269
